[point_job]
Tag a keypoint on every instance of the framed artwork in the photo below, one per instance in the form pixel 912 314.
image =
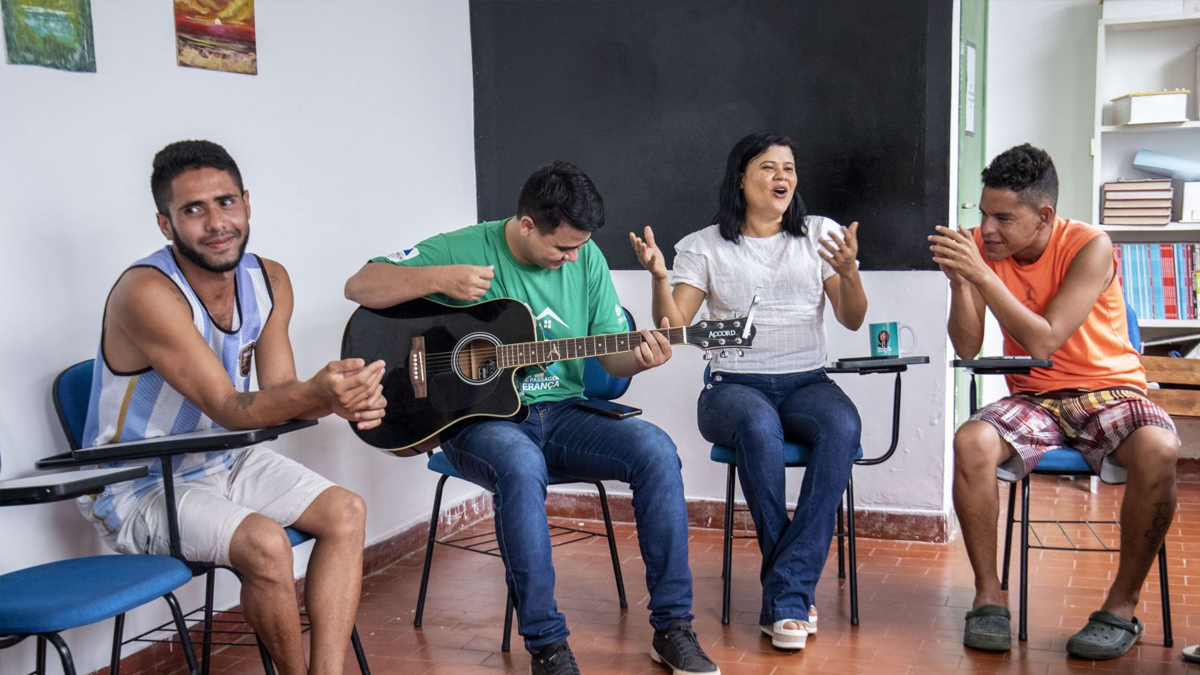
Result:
pixel 50 33
pixel 216 35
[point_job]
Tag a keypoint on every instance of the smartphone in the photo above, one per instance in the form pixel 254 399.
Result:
pixel 608 408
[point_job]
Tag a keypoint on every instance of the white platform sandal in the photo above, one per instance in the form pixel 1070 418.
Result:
pixel 787 638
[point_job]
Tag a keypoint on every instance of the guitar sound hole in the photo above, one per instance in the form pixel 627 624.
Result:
pixel 477 360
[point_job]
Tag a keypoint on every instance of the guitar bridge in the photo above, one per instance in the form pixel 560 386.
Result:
pixel 416 367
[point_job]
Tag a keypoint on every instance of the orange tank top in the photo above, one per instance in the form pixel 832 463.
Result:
pixel 1099 354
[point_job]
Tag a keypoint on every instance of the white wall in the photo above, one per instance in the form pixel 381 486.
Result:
pixel 355 138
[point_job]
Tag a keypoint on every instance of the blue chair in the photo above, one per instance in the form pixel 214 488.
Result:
pixel 45 600
pixel 71 391
pixel 1056 462
pixel 796 455
pixel 598 384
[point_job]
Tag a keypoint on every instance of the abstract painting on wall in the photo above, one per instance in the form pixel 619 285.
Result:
pixel 50 33
pixel 216 35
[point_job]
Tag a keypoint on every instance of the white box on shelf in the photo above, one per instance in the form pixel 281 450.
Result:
pixel 1151 107
pixel 1131 9
pixel 1186 207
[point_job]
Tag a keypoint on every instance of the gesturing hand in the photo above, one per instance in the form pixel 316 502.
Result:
pixel 956 254
pixel 841 249
pixel 655 349
pixel 648 253
pixel 353 390
pixel 466 282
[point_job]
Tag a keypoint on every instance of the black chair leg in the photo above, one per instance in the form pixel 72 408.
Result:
pixel 506 643
pixel 1164 590
pixel 210 582
pixel 39 665
pixel 429 544
pixel 268 664
pixel 1012 518
pixel 64 654
pixel 1022 627
pixel 612 545
pixel 359 653
pixel 727 558
pixel 841 531
pixel 185 639
pixel 853 551
pixel 114 663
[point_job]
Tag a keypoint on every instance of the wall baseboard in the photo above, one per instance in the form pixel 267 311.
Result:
pixel 710 514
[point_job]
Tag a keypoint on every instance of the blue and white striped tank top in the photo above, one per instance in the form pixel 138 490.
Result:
pixel 133 406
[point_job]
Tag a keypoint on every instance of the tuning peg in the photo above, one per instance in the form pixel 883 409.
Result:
pixel 741 352
pixel 724 353
pixel 707 356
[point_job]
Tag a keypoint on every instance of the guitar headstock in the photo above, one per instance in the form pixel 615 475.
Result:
pixel 724 334
pixel 708 334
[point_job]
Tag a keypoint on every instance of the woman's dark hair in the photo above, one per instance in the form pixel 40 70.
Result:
pixel 183 156
pixel 732 215
pixel 560 193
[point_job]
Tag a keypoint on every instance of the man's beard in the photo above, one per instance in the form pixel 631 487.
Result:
pixel 198 258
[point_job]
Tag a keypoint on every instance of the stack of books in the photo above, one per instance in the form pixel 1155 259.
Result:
pixel 1160 281
pixel 1137 202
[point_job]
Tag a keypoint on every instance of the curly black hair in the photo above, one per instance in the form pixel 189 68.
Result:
pixel 1027 171
pixel 182 156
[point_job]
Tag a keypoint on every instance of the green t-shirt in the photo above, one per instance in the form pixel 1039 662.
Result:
pixel 575 300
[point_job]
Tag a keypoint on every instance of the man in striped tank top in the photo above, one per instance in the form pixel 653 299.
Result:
pixel 1052 284
pixel 182 329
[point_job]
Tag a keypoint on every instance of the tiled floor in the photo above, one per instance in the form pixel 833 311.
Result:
pixel 912 600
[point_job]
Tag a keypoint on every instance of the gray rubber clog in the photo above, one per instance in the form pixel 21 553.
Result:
pixel 1106 636
pixel 989 628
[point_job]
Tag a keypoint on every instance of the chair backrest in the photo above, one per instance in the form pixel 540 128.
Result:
pixel 1135 331
pixel 597 383
pixel 71 391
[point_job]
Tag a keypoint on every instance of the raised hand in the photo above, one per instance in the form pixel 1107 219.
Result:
pixel 466 282
pixel 649 254
pixel 841 249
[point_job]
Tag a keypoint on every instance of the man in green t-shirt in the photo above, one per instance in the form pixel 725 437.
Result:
pixel 545 258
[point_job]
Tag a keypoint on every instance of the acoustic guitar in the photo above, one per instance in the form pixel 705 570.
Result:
pixel 448 365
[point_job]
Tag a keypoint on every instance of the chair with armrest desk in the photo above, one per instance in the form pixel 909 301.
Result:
pixel 796 455
pixel 1066 461
pixel 70 392
pixel 44 600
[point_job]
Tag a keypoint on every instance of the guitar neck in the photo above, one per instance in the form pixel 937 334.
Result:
pixel 523 354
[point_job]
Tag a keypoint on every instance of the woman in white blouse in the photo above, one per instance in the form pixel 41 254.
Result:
pixel 762 237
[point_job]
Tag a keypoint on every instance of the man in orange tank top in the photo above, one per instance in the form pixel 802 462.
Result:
pixel 1051 283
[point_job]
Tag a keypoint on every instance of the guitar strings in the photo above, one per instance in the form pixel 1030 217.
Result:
pixel 439 362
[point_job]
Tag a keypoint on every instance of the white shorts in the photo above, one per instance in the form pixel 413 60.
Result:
pixel 211 508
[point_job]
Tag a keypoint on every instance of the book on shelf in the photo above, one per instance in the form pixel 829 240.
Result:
pixel 1136 220
pixel 1135 203
pixel 1156 195
pixel 1160 280
pixel 1142 184
pixel 1118 210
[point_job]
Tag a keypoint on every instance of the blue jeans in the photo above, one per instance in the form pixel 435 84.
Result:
pixel 512 459
pixel 754 414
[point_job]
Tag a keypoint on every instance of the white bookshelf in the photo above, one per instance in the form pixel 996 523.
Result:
pixel 1134 55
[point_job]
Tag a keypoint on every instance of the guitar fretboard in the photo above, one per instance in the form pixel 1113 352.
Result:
pixel 547 351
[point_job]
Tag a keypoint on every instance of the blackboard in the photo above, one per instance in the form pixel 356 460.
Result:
pixel 647 97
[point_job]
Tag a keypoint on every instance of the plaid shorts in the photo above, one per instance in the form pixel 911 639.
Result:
pixel 1092 422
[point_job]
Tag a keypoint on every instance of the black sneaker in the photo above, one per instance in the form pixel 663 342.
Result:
pixel 677 648
pixel 554 659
